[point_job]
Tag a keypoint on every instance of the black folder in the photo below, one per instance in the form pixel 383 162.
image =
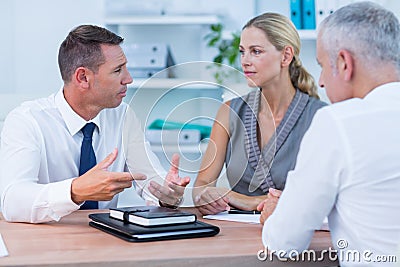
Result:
pixel 137 233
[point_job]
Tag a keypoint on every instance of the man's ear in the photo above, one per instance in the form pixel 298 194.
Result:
pixel 287 56
pixel 345 64
pixel 81 77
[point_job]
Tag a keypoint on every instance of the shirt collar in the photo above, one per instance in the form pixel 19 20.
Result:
pixel 391 87
pixel 73 121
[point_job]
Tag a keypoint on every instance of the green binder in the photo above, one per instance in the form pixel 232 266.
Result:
pixel 172 125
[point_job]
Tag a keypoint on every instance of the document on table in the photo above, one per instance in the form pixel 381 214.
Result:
pixel 3 249
pixel 325 226
pixel 225 216
pixel 249 218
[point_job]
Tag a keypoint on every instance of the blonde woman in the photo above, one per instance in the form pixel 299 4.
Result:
pixel 257 136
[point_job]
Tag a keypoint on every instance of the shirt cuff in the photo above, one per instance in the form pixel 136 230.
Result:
pixel 60 199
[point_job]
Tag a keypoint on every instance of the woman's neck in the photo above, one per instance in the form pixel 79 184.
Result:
pixel 276 100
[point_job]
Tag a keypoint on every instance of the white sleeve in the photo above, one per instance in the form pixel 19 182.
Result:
pixel 139 156
pixel 23 199
pixel 311 188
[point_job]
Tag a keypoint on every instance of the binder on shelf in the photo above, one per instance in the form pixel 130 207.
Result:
pixel 137 233
pixel 320 11
pixel 308 14
pixel 324 8
pixel 341 3
pixel 146 59
pixel 173 137
pixel 173 125
pixel 295 13
pixel 331 6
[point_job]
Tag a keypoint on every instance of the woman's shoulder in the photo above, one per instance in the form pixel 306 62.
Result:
pixel 315 103
pixel 239 100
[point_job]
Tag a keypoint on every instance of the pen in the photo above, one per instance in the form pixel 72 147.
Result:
pixel 244 212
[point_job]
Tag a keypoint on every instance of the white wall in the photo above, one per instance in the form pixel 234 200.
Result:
pixel 32 31
pixel 7 46
pixel 31 34
pixel 186 41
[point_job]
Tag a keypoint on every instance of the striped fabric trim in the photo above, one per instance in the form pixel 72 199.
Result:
pixel 250 124
pixel 261 161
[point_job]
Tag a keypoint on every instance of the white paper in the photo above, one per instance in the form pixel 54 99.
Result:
pixel 249 218
pixel 3 249
pixel 225 216
pixel 324 226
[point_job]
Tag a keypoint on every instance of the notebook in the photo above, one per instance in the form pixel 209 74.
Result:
pixel 137 233
pixel 151 215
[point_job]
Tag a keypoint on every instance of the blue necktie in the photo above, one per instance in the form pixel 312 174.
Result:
pixel 88 159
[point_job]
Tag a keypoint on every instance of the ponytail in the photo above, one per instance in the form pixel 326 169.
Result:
pixel 302 79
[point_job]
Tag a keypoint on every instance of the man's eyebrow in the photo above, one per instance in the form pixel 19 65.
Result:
pixel 120 65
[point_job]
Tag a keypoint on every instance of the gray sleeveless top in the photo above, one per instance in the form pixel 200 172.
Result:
pixel 251 170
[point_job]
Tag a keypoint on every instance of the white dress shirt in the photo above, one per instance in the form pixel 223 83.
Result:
pixel 348 168
pixel 40 153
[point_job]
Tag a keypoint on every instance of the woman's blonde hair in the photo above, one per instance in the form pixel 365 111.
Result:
pixel 281 32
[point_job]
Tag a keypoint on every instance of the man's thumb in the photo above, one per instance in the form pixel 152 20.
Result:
pixel 275 192
pixel 108 160
pixel 260 205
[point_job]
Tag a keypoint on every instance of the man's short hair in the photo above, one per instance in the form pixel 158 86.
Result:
pixel 82 48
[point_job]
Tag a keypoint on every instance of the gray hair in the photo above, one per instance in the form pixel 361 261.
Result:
pixel 368 31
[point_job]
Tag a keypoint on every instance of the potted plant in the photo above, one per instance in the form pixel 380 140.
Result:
pixel 228 53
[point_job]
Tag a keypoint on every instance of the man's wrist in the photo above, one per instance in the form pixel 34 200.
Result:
pixel 74 197
pixel 175 206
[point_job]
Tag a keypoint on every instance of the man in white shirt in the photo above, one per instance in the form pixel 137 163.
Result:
pixel 348 166
pixel 41 140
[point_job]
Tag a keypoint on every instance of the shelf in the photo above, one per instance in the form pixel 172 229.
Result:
pixel 304 35
pixel 159 83
pixel 194 148
pixel 308 34
pixel 163 20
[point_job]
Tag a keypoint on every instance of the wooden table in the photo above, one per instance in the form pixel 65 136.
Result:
pixel 72 242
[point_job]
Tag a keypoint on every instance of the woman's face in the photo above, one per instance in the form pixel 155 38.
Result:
pixel 261 61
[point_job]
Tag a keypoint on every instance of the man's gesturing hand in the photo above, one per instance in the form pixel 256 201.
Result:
pixel 101 185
